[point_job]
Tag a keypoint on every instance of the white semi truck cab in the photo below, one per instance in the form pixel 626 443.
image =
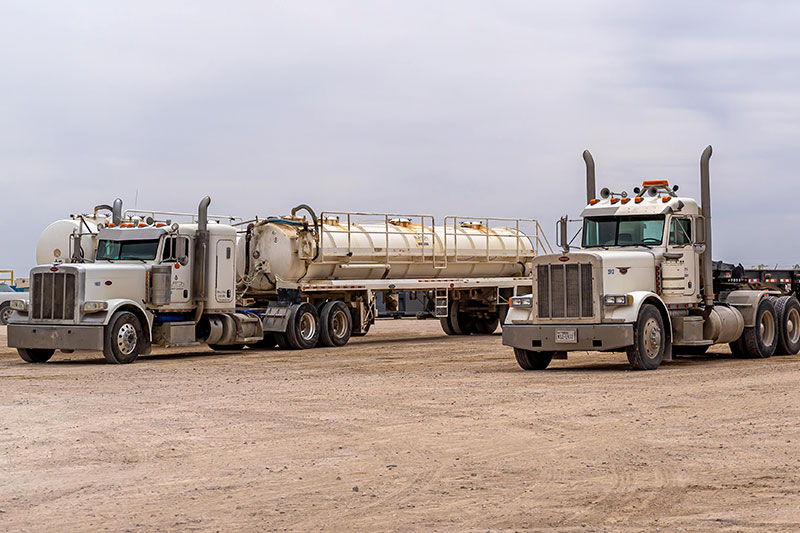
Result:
pixel 172 284
pixel 642 282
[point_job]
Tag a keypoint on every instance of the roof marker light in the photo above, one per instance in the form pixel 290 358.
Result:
pixel 638 199
pixel 655 183
pixel 593 201
pixel 625 200
pixel 614 200
pixel 665 199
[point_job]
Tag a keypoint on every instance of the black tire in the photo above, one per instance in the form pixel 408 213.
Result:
pixel 124 339
pixel 302 332
pixel 690 350
pixel 35 355
pixel 5 313
pixel 649 340
pixel 761 341
pixel 487 326
pixel 336 324
pixel 460 322
pixel 267 343
pixel 787 309
pixel 282 341
pixel 226 347
pixel 738 348
pixel 446 326
pixel 530 360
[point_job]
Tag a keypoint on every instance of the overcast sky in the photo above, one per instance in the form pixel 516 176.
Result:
pixel 460 107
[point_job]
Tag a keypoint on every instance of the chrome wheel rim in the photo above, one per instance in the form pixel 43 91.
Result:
pixel 652 338
pixel 339 324
pixel 766 329
pixel 308 326
pixel 793 325
pixel 126 339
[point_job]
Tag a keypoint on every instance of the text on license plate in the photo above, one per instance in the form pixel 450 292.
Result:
pixel 566 335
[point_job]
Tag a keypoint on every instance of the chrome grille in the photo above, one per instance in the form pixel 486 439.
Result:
pixel 53 295
pixel 565 291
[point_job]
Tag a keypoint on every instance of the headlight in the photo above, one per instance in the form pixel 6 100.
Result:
pixel 94 307
pixel 617 299
pixel 521 301
pixel 18 305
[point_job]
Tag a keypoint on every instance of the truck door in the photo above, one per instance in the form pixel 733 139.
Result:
pixel 177 252
pixel 226 272
pixel 681 238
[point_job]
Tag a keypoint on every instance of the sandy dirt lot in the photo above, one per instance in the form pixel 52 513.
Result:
pixel 403 429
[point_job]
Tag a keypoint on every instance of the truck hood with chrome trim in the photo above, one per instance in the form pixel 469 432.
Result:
pixel 105 281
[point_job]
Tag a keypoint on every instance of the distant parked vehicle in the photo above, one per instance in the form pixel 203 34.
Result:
pixel 6 295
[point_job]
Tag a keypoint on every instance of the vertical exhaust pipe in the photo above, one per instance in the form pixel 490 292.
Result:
pixel 591 188
pixel 116 212
pixel 200 270
pixel 705 197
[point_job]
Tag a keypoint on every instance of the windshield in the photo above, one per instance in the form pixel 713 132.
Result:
pixel 5 288
pixel 122 250
pixel 622 231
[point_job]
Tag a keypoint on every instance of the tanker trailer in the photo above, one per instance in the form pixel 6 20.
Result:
pixel 74 239
pixel 332 266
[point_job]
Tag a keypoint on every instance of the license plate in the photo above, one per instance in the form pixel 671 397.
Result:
pixel 566 335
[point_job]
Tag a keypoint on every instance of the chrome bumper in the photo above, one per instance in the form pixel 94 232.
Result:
pixel 58 337
pixel 591 337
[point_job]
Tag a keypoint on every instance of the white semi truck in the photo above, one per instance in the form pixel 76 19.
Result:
pixel 643 283
pixel 125 281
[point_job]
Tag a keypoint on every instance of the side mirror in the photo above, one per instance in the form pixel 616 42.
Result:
pixel 182 253
pixel 700 230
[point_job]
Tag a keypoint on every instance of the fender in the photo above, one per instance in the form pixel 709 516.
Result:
pixel 630 313
pixel 116 303
pixel 746 302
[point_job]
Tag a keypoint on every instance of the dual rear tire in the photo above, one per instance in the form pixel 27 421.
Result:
pixel 330 325
pixel 458 322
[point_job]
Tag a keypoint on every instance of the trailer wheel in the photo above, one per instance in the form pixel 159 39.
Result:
pixel 487 326
pixel 762 339
pixel 649 340
pixel 124 339
pixel 787 309
pixel 303 330
pixel 530 360
pixel 461 323
pixel 446 326
pixel 5 313
pixel 35 355
pixel 336 324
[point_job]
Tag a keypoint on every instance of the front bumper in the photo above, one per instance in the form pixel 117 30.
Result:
pixel 57 337
pixel 597 337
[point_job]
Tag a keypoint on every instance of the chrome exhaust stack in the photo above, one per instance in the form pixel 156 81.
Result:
pixel 591 187
pixel 705 197
pixel 199 272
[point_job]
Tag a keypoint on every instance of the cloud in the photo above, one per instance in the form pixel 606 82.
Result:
pixel 449 107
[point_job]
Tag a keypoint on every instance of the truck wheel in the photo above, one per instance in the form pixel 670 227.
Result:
pixel 487 326
pixel 446 326
pixel 124 339
pixel 530 360
pixel 35 355
pixel 762 339
pixel 335 322
pixel 738 349
pixel 5 313
pixel 649 340
pixel 303 330
pixel 267 343
pixel 787 309
pixel 282 340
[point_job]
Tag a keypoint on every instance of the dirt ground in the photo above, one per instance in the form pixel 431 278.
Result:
pixel 403 429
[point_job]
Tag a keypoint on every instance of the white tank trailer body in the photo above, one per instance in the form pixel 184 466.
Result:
pixel 55 241
pixel 285 250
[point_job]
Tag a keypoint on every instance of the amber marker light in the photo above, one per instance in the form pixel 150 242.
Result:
pixel 665 199
pixel 625 200
pixel 614 200
pixel 593 201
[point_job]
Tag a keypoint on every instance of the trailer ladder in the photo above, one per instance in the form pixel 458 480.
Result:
pixel 441 302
